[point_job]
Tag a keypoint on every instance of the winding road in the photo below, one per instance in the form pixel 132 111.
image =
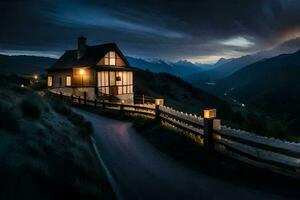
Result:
pixel 139 171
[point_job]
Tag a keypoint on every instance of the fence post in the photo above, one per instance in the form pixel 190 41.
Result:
pixel 95 102
pixel 209 116
pixel 61 95
pixel 122 108
pixel 84 96
pixel 143 99
pixel 157 112
pixel 79 100
pixel 103 105
pixel 72 98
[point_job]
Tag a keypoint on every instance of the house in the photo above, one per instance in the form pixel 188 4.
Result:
pixel 100 72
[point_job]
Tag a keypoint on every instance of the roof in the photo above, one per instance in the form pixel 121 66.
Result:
pixel 91 57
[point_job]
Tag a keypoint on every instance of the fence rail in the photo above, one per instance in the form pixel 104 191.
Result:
pixel 268 153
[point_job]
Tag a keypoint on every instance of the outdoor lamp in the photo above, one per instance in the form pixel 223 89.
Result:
pixel 210 113
pixel 81 71
pixel 159 102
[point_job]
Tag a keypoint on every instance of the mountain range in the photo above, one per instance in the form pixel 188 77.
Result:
pixel 224 68
pixel 180 68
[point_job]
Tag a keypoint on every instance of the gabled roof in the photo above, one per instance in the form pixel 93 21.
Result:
pixel 91 57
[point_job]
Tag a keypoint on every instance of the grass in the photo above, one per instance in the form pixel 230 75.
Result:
pixel 45 152
pixel 187 152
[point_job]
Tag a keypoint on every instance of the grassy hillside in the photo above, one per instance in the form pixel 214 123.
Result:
pixel 44 149
pixel 178 93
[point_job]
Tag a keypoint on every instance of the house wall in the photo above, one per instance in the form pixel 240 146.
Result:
pixel 60 74
pixel 76 92
pixel 88 79
pixel 79 83
pixel 128 98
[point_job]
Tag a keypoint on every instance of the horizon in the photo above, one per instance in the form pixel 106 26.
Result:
pixel 199 32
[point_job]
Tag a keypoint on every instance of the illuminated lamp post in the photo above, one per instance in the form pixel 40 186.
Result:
pixel 209 116
pixel 81 72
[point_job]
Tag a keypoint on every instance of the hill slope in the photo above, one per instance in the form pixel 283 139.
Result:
pixel 178 93
pixel 24 64
pixel 272 85
pixel 45 150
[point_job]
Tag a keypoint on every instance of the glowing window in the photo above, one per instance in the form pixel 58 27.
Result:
pixel 110 58
pixel 120 90
pixel 118 78
pixel 112 78
pixel 68 80
pixel 50 81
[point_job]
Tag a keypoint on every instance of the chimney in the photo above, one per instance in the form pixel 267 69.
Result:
pixel 81 47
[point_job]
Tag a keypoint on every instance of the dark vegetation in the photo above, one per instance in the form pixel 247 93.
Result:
pixel 45 150
pixel 24 64
pixel 187 152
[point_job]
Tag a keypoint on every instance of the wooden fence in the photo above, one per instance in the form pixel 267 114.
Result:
pixel 268 153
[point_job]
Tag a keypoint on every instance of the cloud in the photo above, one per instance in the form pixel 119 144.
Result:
pixel 238 42
pixel 88 16
pixel 198 30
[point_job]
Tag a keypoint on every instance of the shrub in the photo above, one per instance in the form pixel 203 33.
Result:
pixel 31 108
pixel 60 107
pixel 9 117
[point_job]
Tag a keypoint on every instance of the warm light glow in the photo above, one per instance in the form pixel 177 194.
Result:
pixel 210 113
pixel 122 101
pixel 159 102
pixel 81 71
pixel 35 77
pixel 68 81
pixel 22 85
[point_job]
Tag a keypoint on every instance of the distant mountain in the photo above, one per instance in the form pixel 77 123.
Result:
pixel 225 69
pixel 181 68
pixel 24 64
pixel 222 61
pixel 271 85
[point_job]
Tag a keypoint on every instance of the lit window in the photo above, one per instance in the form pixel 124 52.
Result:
pixel 50 81
pixel 112 78
pixel 110 58
pixel 120 90
pixel 130 78
pixel 118 78
pixel 106 60
pixel 68 80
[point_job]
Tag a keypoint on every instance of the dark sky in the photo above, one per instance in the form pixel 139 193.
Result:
pixel 202 30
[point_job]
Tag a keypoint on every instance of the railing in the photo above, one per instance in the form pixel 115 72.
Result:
pixel 268 153
pixel 143 99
